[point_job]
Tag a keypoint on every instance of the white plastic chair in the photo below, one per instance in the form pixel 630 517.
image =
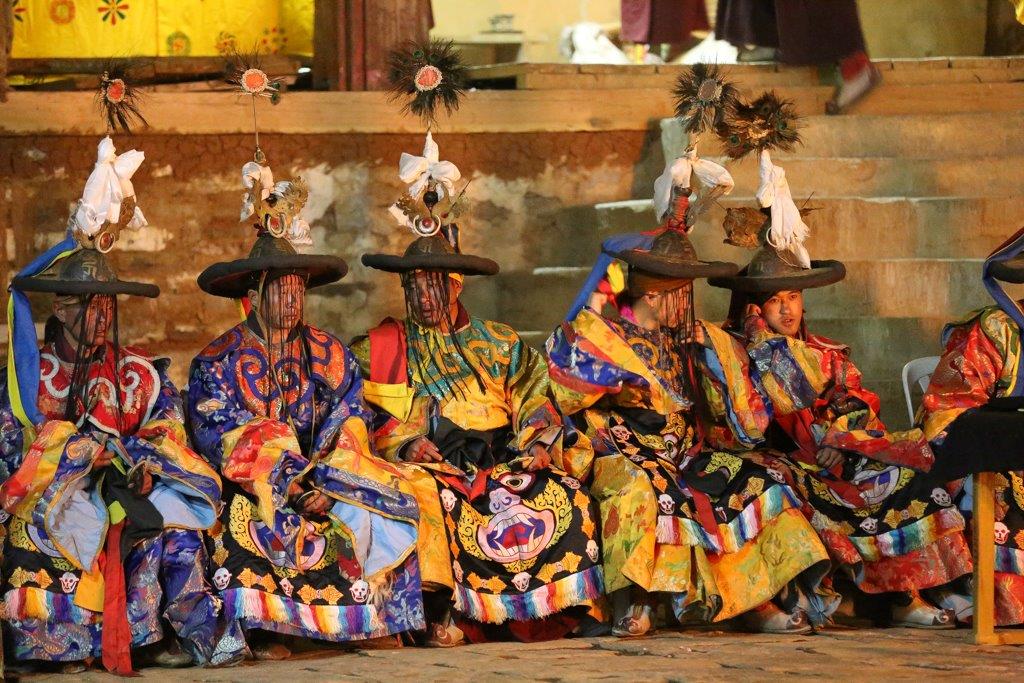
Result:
pixel 918 371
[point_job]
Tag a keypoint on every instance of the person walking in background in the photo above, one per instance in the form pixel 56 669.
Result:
pixel 805 32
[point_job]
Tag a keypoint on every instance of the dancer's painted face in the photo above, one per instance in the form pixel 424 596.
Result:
pixel 86 321
pixel 671 306
pixel 431 296
pixel 283 302
pixel 784 312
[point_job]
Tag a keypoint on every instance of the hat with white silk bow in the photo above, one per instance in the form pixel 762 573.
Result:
pixel 273 209
pixel 704 99
pixel 77 265
pixel 777 231
pixel 430 75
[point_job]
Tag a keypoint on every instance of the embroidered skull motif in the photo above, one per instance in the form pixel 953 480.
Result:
pixel 360 591
pixel 68 581
pixel 457 570
pixel 221 578
pixel 870 525
pixel 1002 534
pixel 775 473
pixel 447 499
pixel 941 497
pixel 592 550
pixel 666 504
pixel 621 433
pixel 571 482
pixel 521 581
pixel 287 587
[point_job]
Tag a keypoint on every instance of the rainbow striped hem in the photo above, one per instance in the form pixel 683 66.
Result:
pixel 497 608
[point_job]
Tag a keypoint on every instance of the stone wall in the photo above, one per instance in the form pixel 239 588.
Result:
pixel 526 190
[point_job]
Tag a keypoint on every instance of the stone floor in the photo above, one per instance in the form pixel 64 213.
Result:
pixel 838 653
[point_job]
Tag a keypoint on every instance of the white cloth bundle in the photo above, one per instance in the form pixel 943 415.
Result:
pixel 416 171
pixel 109 184
pixel 251 172
pixel 788 230
pixel 677 174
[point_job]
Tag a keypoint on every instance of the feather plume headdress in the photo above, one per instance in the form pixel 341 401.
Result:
pixel 118 101
pixel 427 76
pixel 704 99
pixel 767 123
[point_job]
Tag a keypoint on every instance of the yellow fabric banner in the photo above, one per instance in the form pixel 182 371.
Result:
pixel 151 28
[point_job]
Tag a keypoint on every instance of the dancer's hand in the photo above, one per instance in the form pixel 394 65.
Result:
pixel 146 485
pixel 699 336
pixel 105 457
pixel 423 449
pixel 829 457
pixel 541 458
pixel 315 504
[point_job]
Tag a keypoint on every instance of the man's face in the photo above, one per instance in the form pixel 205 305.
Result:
pixel 283 302
pixel 88 322
pixel 671 307
pixel 784 312
pixel 430 295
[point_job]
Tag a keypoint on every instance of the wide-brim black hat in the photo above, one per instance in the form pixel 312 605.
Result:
pixel 431 253
pixel 1010 270
pixel 82 273
pixel 672 255
pixel 234 279
pixel 768 272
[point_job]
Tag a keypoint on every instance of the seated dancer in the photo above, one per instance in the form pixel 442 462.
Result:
pixel 316 537
pixel 667 404
pixel 981 366
pixel 889 525
pixel 464 403
pixel 106 500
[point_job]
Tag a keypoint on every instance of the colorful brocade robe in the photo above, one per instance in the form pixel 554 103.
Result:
pixel 513 545
pixel 877 511
pixel 681 511
pixel 53 579
pixel 299 421
pixel 981 360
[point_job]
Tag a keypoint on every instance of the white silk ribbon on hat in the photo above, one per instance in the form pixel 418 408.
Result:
pixel 251 172
pixel 677 174
pixel 417 171
pixel 788 230
pixel 109 184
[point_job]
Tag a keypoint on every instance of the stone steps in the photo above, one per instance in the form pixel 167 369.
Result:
pixel 992 176
pixel 937 135
pixel 890 99
pixel 941 70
